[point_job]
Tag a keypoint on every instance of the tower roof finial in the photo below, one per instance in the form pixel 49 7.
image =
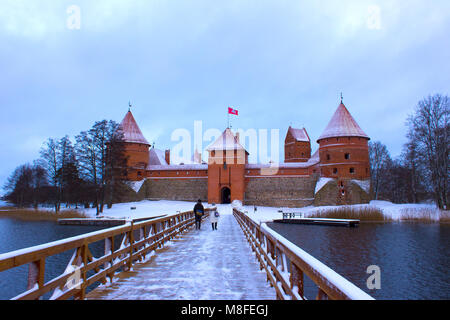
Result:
pixel 129 105
pixel 342 98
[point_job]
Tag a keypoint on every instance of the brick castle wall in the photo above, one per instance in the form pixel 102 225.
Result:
pixel 175 189
pixel 280 191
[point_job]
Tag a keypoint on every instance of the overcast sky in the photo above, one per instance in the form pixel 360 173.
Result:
pixel 279 63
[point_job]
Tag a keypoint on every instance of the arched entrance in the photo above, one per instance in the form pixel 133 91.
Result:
pixel 225 195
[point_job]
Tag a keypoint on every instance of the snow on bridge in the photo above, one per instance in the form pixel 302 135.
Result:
pixel 201 265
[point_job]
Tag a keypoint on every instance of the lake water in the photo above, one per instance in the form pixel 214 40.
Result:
pixel 414 258
pixel 4 204
pixel 18 234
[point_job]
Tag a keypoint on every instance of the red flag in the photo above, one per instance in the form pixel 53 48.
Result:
pixel 232 111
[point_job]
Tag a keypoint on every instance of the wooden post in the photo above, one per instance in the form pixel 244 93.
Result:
pixel 36 271
pixel 131 241
pixel 296 279
pixel 109 249
pixel 321 295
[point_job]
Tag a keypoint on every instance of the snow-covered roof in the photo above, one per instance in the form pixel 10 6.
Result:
pixel 299 134
pixel 286 165
pixel 321 183
pixel 178 167
pixel 131 131
pixel 227 141
pixel 157 157
pixel 342 124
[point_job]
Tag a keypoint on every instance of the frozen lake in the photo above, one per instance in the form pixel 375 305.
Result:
pixel 414 258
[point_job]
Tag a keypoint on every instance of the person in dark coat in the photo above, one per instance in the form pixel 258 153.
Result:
pixel 199 211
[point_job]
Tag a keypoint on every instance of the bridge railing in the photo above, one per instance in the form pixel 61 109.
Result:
pixel 138 240
pixel 286 266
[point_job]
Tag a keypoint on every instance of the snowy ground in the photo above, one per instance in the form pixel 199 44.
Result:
pixel 201 265
pixel 148 208
pixel 144 209
pixel 394 211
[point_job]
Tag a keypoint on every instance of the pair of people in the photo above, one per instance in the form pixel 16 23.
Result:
pixel 199 211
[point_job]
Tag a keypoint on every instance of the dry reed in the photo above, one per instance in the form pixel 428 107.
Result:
pixel 360 213
pixel 423 215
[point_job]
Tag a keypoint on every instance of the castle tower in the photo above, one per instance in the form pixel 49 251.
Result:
pixel 344 156
pixel 226 169
pixel 297 145
pixel 136 148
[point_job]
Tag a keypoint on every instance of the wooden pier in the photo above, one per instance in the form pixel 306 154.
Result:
pixel 297 218
pixel 134 243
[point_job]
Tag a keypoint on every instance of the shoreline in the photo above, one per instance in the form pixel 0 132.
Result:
pixel 38 215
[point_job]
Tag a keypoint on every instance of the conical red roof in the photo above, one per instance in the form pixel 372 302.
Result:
pixel 131 131
pixel 342 124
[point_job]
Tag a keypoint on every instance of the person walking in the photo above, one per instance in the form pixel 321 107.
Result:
pixel 199 211
pixel 214 218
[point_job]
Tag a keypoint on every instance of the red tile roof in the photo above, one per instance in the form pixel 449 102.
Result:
pixel 342 124
pixel 131 131
pixel 299 134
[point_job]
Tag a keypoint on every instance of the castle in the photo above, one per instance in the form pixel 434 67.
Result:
pixel 337 173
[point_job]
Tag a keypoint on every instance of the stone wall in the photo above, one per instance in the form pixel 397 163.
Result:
pixel 175 189
pixel 280 191
pixel 331 193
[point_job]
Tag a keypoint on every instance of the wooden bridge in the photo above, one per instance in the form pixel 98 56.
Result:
pixel 166 259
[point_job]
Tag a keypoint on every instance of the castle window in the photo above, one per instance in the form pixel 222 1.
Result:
pixel 213 153
pixel 347 156
pixel 335 170
pixel 328 157
pixel 139 173
pixel 352 170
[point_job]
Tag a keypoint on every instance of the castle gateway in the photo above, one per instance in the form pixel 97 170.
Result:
pixel 337 173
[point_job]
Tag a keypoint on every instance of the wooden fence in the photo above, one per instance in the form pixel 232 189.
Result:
pixel 138 240
pixel 286 265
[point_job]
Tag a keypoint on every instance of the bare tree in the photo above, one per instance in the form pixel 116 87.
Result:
pixel 49 157
pixel 24 185
pixel 412 161
pixel 99 152
pixel 379 159
pixel 429 128
pixel 87 156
